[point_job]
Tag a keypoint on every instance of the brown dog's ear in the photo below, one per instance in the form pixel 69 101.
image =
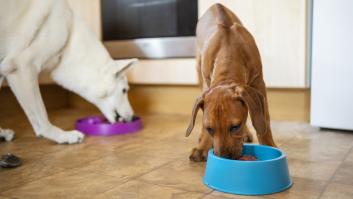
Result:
pixel 256 103
pixel 197 105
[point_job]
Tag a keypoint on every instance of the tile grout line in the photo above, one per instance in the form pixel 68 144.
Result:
pixel 156 168
pixel 209 193
pixel 101 173
pixel 136 176
pixel 45 176
pixel 63 169
pixel 30 181
pixel 171 186
pixel 181 189
pixel 333 175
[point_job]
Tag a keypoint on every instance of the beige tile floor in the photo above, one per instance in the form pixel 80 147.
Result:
pixel 154 162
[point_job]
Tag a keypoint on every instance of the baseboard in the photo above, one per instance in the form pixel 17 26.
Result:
pixel 289 104
pixel 54 98
pixel 284 104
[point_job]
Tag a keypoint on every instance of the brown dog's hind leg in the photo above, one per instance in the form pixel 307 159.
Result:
pixel 199 153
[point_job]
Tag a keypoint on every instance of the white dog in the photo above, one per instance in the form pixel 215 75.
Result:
pixel 38 35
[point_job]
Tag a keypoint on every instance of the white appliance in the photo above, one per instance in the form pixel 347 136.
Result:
pixel 332 64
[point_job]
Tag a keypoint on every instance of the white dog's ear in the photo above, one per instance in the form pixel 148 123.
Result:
pixel 123 64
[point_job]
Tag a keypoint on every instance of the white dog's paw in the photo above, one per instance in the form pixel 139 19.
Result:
pixel 62 137
pixel 71 137
pixel 7 134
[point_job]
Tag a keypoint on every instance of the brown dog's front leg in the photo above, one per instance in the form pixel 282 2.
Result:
pixel 261 120
pixel 266 138
pixel 199 153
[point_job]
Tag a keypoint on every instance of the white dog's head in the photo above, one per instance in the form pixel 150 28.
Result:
pixel 113 101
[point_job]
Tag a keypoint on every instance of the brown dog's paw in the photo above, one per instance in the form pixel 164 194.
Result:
pixel 198 155
pixel 248 138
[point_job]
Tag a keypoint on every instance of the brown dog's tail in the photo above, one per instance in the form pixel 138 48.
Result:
pixel 225 17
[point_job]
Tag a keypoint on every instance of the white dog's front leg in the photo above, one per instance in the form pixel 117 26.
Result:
pixel 24 84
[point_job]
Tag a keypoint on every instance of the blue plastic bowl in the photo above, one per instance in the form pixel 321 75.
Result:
pixel 268 174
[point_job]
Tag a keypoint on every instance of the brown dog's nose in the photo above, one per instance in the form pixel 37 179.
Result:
pixel 219 152
pixel 228 153
pixel 222 152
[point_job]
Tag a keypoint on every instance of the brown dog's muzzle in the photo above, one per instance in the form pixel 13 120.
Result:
pixel 229 153
pixel 230 150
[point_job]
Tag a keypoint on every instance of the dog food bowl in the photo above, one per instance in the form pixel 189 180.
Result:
pixel 99 126
pixel 266 175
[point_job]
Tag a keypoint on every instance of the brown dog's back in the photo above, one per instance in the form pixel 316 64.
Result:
pixel 224 16
pixel 216 15
pixel 222 41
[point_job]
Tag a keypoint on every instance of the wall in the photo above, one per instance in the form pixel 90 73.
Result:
pixel 279 28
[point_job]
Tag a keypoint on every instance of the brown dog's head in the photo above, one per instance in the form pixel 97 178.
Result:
pixel 225 111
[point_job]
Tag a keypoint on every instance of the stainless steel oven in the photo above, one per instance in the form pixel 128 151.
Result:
pixel 149 28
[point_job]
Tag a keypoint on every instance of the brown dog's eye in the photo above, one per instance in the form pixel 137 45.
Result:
pixel 124 90
pixel 210 131
pixel 234 128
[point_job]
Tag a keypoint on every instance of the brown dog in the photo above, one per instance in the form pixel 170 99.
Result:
pixel 230 70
